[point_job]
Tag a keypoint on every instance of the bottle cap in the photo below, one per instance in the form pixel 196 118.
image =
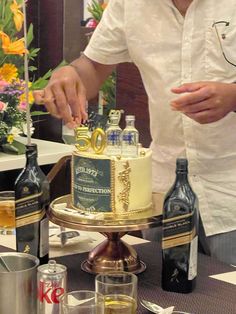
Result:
pixel 31 147
pixel 182 164
pixel 129 117
pixel 114 119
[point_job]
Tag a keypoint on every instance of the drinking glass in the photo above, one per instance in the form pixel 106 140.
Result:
pixel 120 291
pixel 7 212
pixel 82 302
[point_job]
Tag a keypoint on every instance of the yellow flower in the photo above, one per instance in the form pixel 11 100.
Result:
pixel 8 72
pixel 10 138
pixel 18 15
pixel 16 47
pixel 31 98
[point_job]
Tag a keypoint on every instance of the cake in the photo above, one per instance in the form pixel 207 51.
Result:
pixel 111 186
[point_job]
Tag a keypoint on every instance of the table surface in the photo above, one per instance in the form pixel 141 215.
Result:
pixel 211 296
pixel 48 153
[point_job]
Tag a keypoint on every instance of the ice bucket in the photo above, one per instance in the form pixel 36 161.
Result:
pixel 18 283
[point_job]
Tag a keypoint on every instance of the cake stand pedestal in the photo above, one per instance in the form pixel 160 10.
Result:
pixel 113 253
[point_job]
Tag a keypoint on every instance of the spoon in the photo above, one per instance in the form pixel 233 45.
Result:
pixel 4 264
pixel 154 308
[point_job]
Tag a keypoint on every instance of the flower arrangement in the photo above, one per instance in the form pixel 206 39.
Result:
pixel 13 102
pixel 96 9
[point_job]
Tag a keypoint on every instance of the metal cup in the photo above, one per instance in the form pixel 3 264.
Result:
pixel 18 283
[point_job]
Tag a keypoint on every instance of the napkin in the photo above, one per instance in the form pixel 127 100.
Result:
pixel 168 310
pixel 229 277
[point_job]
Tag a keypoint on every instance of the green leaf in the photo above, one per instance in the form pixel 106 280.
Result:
pixel 38 113
pixel 16 148
pixel 32 68
pixel 30 34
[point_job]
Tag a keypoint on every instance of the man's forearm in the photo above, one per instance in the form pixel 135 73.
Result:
pixel 92 74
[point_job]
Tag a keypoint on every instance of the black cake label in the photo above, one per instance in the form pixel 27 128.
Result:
pixel 91 184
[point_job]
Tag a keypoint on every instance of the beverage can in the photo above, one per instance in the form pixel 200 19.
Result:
pixel 51 285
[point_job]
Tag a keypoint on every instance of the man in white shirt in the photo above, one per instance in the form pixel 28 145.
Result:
pixel 185 52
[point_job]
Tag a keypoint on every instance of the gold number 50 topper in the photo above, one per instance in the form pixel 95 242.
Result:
pixel 85 140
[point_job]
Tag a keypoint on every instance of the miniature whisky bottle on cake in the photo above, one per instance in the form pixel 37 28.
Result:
pixel 115 186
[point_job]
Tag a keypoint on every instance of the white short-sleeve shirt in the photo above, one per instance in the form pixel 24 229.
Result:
pixel 170 50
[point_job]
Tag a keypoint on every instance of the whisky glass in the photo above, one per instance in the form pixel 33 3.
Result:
pixel 119 289
pixel 7 212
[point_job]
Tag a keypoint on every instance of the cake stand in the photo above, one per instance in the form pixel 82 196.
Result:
pixel 113 253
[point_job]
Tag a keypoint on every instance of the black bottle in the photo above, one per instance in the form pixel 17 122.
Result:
pixel 179 236
pixel 32 200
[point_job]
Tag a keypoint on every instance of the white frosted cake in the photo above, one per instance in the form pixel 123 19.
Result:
pixel 112 186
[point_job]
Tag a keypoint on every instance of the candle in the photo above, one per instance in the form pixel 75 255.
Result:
pixel 26 74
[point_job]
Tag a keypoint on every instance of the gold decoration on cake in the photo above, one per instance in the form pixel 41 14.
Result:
pixel 124 178
pixel 82 138
pixel 112 165
pixel 98 141
pixel 142 153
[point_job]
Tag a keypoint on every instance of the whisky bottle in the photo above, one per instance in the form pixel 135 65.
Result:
pixel 113 137
pixel 130 138
pixel 179 236
pixel 32 199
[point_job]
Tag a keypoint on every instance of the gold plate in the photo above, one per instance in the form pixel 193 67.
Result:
pixel 101 258
pixel 62 212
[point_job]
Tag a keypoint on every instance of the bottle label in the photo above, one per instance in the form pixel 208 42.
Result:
pixel 113 137
pixel 28 210
pixel 192 271
pixel 178 230
pixel 129 138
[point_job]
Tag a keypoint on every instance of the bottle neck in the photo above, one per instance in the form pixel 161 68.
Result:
pixel 114 123
pixel 31 156
pixel 181 176
pixel 130 123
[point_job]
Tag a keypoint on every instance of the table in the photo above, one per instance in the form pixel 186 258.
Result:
pixel 48 153
pixel 211 296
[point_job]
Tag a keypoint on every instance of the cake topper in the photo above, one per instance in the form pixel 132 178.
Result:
pixel 85 139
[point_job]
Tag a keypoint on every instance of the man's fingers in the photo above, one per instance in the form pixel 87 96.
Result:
pixel 67 101
pixel 83 106
pixel 204 117
pixel 187 87
pixel 193 108
pixel 61 104
pixel 190 99
pixel 38 96
pixel 49 103
pixel 41 97
pixel 72 99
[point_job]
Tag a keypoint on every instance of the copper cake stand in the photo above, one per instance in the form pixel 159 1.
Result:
pixel 113 253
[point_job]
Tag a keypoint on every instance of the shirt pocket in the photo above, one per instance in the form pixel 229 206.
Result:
pixel 220 40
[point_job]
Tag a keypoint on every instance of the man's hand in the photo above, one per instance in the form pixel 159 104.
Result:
pixel 64 96
pixel 205 102
pixel 70 86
